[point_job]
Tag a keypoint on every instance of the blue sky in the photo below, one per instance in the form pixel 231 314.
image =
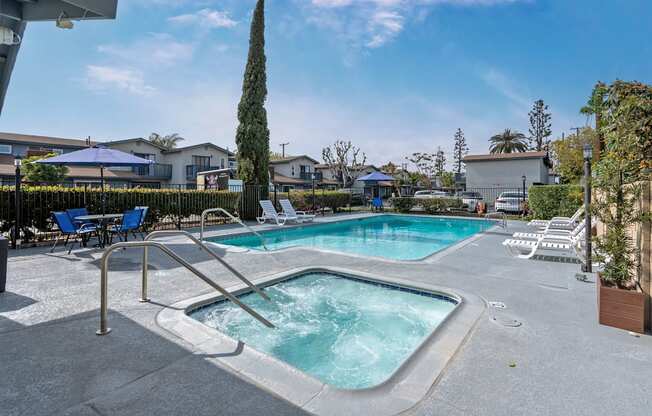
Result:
pixel 393 76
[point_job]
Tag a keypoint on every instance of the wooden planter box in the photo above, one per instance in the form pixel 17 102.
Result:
pixel 624 309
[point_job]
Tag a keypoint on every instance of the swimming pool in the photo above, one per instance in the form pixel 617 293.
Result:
pixel 396 237
pixel 346 332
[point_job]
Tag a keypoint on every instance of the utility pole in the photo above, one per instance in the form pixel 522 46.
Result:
pixel 283 146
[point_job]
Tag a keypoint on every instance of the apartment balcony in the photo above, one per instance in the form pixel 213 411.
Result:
pixel 192 170
pixel 156 170
pixel 307 176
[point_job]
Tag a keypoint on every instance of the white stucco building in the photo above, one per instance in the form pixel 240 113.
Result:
pixel 506 170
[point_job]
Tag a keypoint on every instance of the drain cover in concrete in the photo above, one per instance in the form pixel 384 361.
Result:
pixel 497 305
pixel 506 321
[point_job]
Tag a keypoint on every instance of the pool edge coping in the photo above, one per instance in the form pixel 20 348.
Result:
pixel 405 388
pixel 432 257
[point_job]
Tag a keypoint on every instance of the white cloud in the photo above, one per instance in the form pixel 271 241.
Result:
pixel 154 50
pixel 506 87
pixel 383 20
pixel 206 18
pixel 105 78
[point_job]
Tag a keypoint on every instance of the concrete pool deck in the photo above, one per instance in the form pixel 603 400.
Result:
pixel 558 362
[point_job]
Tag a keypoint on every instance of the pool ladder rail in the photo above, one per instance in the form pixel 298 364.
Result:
pixel 146 244
pixel 234 218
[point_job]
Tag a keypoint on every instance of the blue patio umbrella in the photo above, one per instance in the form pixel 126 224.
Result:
pixel 376 177
pixel 97 156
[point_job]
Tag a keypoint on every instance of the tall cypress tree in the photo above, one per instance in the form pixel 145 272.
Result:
pixel 540 126
pixel 460 150
pixel 252 136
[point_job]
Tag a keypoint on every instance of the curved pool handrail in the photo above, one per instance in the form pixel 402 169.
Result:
pixel 202 246
pixel 104 281
pixel 234 218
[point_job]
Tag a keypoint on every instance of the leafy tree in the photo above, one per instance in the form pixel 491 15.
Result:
pixel 594 107
pixel 424 163
pixel 440 161
pixel 460 150
pixel 540 126
pixel 389 168
pixel 447 179
pixel 626 125
pixel 343 160
pixel 275 155
pixel 38 172
pixel 169 141
pixel 508 142
pixel 568 155
pixel 252 136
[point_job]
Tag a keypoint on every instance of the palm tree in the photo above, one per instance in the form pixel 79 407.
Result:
pixel 508 142
pixel 169 142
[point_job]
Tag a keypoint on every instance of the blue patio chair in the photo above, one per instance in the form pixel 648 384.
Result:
pixel 130 223
pixel 83 232
pixel 77 212
pixel 142 228
pixel 377 203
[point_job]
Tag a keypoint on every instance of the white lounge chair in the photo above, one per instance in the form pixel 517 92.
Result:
pixel 269 213
pixel 558 222
pixel 551 232
pixel 288 209
pixel 526 249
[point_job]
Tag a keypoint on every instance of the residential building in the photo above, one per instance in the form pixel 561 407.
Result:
pixel 296 172
pixel 506 170
pixel 178 166
pixel 172 166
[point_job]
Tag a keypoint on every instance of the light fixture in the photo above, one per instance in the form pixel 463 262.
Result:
pixel 64 22
pixel 588 152
pixel 18 161
pixel 8 36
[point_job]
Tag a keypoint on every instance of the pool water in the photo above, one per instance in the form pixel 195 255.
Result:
pixel 397 237
pixel 346 332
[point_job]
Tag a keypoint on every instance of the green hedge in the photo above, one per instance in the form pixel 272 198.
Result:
pixel 440 205
pixel 302 200
pixel 431 206
pixel 164 205
pixel 547 201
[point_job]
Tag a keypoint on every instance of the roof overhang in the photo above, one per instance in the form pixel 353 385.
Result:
pixel 15 14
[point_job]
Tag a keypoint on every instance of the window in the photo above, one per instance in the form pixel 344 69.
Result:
pixel 292 170
pixel 222 163
pixel 5 149
pixel 203 161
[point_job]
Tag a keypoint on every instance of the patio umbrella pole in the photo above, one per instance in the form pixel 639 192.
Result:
pixel 102 185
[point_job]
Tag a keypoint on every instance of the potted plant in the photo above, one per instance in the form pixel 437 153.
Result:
pixel 625 113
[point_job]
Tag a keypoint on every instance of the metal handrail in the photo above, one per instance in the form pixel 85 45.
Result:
pixel 201 245
pixel 104 284
pixel 236 219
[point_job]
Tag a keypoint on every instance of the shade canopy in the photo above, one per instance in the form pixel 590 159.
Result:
pixel 376 177
pixel 96 156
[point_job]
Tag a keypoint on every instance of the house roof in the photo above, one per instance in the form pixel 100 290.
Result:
pixel 175 150
pixel 291 158
pixel 506 156
pixel 43 140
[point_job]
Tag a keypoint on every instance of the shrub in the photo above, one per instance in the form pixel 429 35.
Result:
pixel 302 200
pixel 403 204
pixel 38 202
pixel 547 201
pixel 440 205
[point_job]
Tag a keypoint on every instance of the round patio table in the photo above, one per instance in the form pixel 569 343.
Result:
pixel 102 220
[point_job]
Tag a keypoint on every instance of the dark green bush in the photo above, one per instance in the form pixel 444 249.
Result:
pixel 440 205
pixel 403 204
pixel 302 200
pixel 547 201
pixel 164 205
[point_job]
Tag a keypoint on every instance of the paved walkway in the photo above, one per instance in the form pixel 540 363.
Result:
pixel 558 362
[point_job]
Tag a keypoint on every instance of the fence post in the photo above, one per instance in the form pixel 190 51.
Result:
pixel 15 242
pixel 275 196
pixel 179 207
pixel 323 197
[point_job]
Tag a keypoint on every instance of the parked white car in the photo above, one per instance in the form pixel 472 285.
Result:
pixel 430 194
pixel 510 202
